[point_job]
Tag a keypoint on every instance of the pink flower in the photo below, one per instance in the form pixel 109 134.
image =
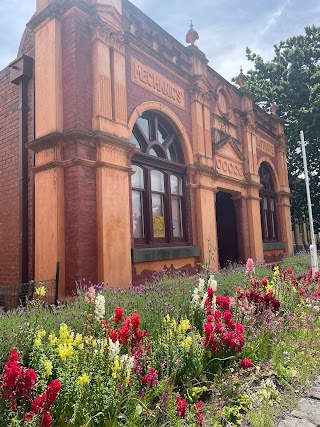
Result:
pixel 90 295
pixel 250 267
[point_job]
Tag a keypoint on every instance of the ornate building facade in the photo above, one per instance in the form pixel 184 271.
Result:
pixel 124 153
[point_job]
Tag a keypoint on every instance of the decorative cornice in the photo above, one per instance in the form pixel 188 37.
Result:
pixel 80 137
pixel 56 10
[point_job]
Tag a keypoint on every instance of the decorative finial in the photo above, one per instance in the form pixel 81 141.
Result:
pixel 241 79
pixel 274 108
pixel 192 35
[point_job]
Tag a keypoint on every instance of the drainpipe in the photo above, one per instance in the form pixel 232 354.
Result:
pixel 21 71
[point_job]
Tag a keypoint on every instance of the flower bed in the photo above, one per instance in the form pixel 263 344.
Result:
pixel 208 360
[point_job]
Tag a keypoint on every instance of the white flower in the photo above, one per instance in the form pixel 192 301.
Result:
pixel 114 349
pixel 201 286
pixel 99 306
pixel 128 361
pixel 205 296
pixel 212 283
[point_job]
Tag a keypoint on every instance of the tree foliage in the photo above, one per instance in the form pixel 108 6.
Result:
pixel 292 80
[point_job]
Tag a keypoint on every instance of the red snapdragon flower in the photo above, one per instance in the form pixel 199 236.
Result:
pixel 151 378
pixel 42 404
pixel 181 407
pixel 113 335
pixel 246 363
pixel 118 313
pixel 198 408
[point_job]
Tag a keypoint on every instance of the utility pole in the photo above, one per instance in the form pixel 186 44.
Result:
pixel 313 246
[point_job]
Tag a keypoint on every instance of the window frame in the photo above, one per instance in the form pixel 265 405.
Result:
pixel 147 164
pixel 270 196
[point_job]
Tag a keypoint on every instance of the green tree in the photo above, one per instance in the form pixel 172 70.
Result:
pixel 292 80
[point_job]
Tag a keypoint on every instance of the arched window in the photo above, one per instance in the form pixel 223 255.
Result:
pixel 158 183
pixel 268 204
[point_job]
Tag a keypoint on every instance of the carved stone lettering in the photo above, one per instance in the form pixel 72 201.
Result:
pixel 265 146
pixel 156 83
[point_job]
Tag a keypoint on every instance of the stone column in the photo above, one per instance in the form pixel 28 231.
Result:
pixel 240 205
pixel 254 225
pixel 113 213
pixel 49 182
pixel 114 148
pixel 206 220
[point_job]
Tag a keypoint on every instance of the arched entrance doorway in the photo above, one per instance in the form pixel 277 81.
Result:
pixel 226 229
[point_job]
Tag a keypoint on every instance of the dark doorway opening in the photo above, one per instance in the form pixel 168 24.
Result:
pixel 226 229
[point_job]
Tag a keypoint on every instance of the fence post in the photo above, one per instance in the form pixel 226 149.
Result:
pixel 57 284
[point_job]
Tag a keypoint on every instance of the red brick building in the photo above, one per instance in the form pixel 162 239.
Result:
pixel 122 152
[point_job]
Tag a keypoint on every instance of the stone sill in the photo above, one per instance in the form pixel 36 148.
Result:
pixel 169 252
pixel 273 246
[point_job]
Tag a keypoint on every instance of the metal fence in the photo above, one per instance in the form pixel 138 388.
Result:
pixel 13 296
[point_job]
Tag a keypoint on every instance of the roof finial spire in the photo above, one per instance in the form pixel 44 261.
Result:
pixel 241 79
pixel 192 35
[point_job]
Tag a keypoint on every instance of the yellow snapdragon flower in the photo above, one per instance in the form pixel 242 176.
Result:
pixel 127 378
pixel 52 339
pixel 63 333
pixel 184 326
pixel 187 342
pixel 38 339
pixel 115 369
pixel 47 364
pixel 276 271
pixel 166 320
pixel 40 291
pixel 84 379
pixel 65 351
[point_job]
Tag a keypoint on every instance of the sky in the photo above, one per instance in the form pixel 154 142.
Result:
pixel 225 27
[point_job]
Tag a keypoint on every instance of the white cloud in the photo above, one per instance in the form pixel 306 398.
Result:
pixel 274 17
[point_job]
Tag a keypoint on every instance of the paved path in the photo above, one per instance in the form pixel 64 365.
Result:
pixel 308 412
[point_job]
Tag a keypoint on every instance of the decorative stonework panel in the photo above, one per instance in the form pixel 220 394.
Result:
pixel 105 97
pixel 45 156
pixel 114 156
pixel 156 83
pixel 228 167
pixel 121 103
pixel 265 146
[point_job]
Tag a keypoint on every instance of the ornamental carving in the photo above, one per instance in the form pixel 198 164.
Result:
pixel 249 122
pixel 228 167
pixel 102 31
pixel 198 93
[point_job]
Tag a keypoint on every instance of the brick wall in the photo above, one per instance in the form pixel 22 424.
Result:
pixel 10 243
pixel 80 217
pixel 10 191
pixel 79 179
pixel 77 72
